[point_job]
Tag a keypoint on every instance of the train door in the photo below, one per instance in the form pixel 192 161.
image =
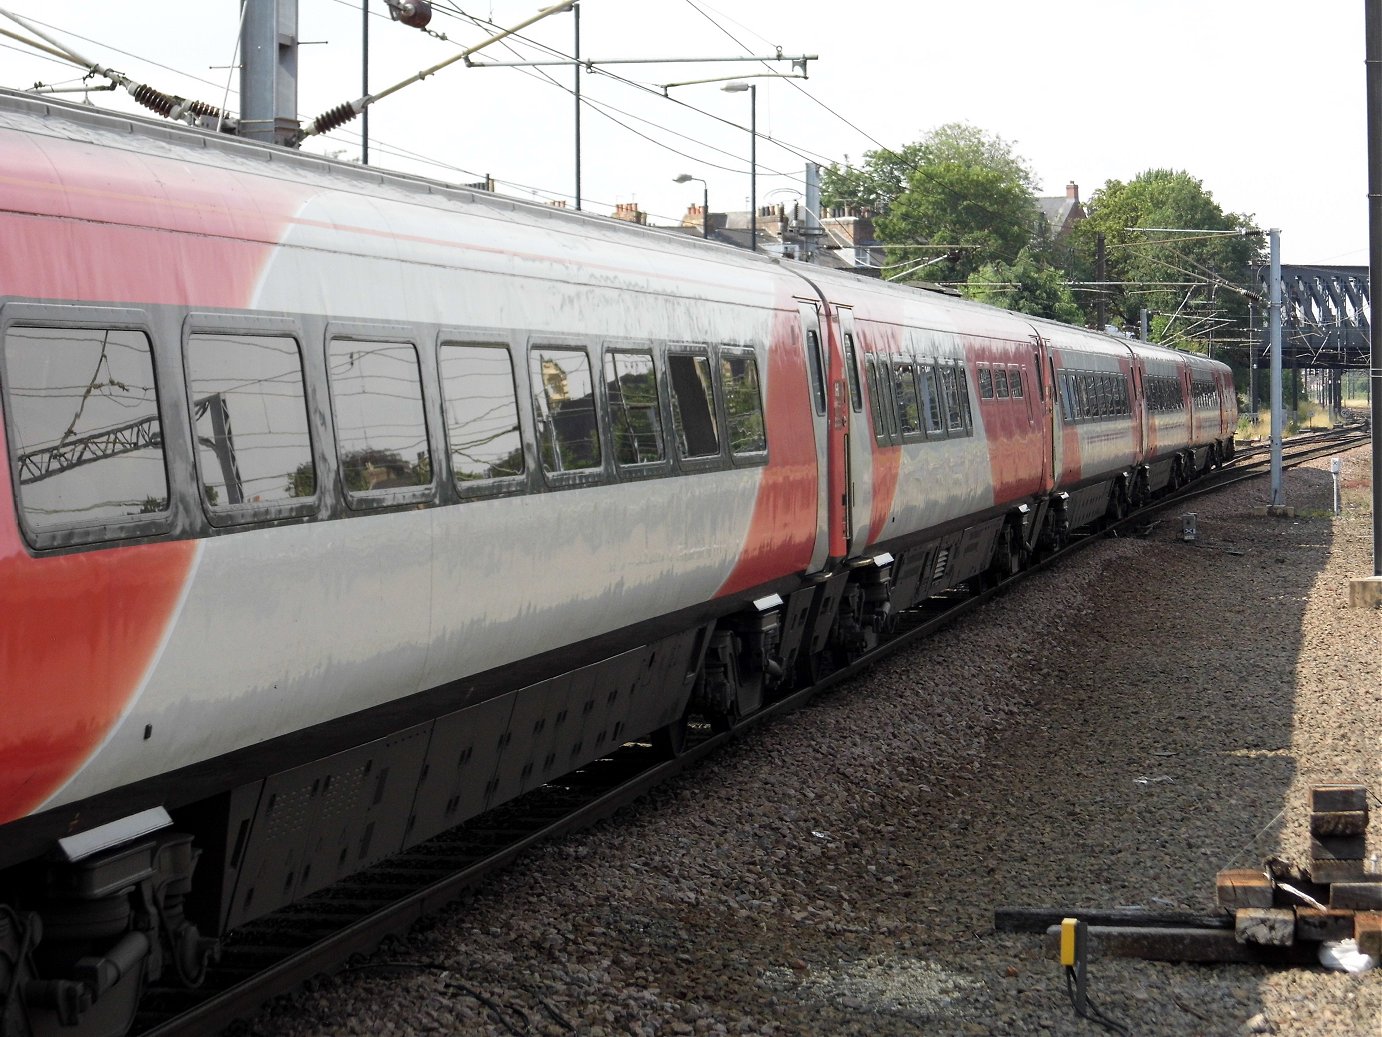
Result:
pixel 1141 421
pixel 1048 411
pixel 829 546
pixel 856 452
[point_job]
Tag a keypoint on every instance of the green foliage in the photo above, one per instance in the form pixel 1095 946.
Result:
pixel 958 188
pixel 1027 285
pixel 1180 278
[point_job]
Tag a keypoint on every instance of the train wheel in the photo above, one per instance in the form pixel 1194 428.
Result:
pixel 1007 557
pixel 669 742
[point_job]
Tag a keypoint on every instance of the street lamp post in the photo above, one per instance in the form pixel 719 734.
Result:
pixel 752 88
pixel 684 178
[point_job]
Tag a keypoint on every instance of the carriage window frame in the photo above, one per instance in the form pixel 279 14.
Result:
pixel 1000 382
pixel 880 425
pixel 856 396
pixel 905 387
pixel 933 416
pixel 368 500
pixel 724 356
pixel 89 318
pixel 1015 387
pixel 713 395
pixel 985 382
pixel 248 326
pixel 539 403
pixel 638 469
pixel 493 486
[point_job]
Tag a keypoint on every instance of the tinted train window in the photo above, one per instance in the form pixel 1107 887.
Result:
pixel 482 431
pixel 634 412
pixel 954 414
pixel 381 433
pixel 875 401
pixel 743 405
pixel 1015 382
pixel 934 408
pixel 852 373
pixel 813 360
pixel 250 413
pixel 908 402
pixel 568 433
pixel 85 432
pixel 1000 383
pixel 985 384
pixel 693 406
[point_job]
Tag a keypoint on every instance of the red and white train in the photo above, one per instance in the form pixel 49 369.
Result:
pixel 338 506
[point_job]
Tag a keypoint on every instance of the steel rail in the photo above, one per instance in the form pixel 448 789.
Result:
pixel 365 933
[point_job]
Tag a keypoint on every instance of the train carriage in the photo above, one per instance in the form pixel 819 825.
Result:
pixel 340 506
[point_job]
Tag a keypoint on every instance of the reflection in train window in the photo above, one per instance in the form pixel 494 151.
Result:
pixel 251 419
pixel 381 433
pixel 931 385
pixel 908 403
pixel 1000 383
pixel 482 434
pixel 852 373
pixel 954 415
pixel 1015 382
pixel 568 433
pixel 693 411
pixel 634 412
pixel 85 435
pixel 875 401
pixel 743 405
pixel 985 383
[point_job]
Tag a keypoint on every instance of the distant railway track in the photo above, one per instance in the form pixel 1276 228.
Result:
pixel 274 956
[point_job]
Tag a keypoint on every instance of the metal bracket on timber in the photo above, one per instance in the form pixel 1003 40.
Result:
pixel 1275 915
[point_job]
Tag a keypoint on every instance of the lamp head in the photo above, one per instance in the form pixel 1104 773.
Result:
pixel 682 178
pixel 736 88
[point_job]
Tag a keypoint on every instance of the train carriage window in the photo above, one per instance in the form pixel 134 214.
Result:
pixel 962 388
pixel 1105 395
pixel 693 407
pixel 1067 397
pixel 953 413
pixel 1082 386
pixel 813 362
pixel 481 405
pixel 856 398
pixel 381 431
pixel 908 402
pixel 1015 382
pixel 743 405
pixel 1000 383
pixel 250 412
pixel 935 407
pixel 1124 404
pixel 634 412
pixel 85 438
pixel 880 432
pixel 985 382
pixel 886 386
pixel 568 431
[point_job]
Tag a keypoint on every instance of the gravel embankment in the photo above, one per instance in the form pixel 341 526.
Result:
pixel 1109 734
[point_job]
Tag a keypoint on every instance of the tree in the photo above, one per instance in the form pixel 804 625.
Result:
pixel 1185 280
pixel 958 189
pixel 1027 285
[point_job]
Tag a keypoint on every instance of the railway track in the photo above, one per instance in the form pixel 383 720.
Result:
pixel 278 954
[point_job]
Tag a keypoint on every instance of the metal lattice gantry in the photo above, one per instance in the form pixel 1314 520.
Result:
pixel 1326 316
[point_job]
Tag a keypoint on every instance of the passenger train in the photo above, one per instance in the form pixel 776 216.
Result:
pixel 339 506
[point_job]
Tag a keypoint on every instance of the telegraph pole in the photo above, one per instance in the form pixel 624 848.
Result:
pixel 1367 593
pixel 1274 319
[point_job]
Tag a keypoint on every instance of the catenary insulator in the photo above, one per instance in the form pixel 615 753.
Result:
pixel 155 100
pixel 338 116
pixel 414 13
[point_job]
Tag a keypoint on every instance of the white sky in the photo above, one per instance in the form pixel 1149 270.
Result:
pixel 1262 100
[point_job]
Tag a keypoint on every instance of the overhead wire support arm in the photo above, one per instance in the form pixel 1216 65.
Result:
pixel 342 114
pixel 798 62
pixel 167 105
